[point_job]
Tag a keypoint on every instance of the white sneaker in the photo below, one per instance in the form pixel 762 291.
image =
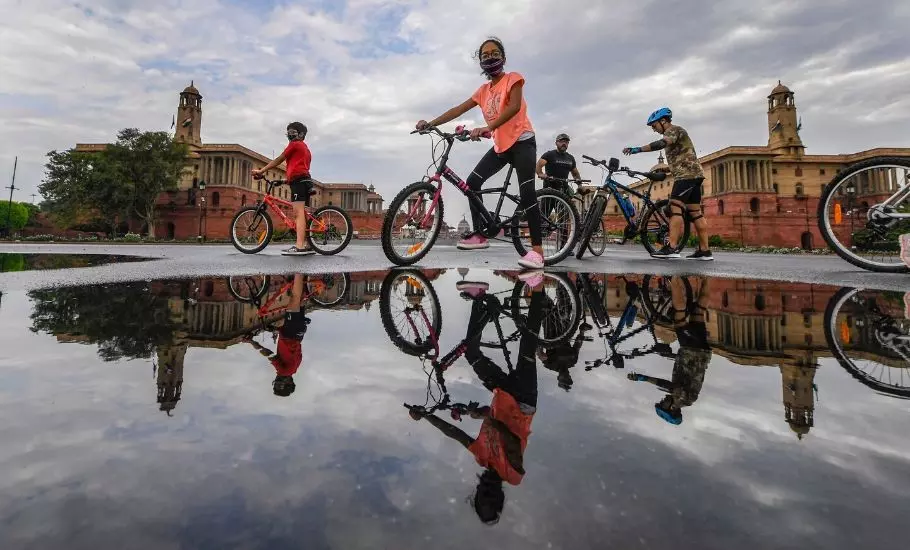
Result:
pixel 294 251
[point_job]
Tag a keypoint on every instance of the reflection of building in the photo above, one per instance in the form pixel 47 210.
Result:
pixel 225 169
pixel 768 195
pixel 463 226
pixel 170 375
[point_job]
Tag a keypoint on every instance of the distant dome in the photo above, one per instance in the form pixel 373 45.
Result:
pixel 191 89
pixel 661 165
pixel 780 89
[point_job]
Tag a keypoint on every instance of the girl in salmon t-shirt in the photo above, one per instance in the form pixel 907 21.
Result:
pixel 506 115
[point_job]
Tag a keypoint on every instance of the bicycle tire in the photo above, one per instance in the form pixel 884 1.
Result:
pixel 388 322
pixel 653 311
pixel 561 254
pixel 599 249
pixel 831 311
pixel 824 226
pixel 594 214
pixel 267 237
pixel 574 302
pixel 348 234
pixel 255 295
pixel 345 279
pixel 391 214
pixel 657 209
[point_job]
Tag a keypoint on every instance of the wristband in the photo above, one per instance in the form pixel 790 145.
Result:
pixel 635 150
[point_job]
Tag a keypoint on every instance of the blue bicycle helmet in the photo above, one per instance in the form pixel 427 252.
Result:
pixel 663 112
pixel 670 418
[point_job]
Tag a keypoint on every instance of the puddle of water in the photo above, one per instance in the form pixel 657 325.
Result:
pixel 11 262
pixel 631 411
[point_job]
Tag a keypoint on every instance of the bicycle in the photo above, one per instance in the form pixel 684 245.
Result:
pixel 416 213
pixel 641 226
pixel 326 224
pixel 598 242
pixel 867 235
pixel 324 289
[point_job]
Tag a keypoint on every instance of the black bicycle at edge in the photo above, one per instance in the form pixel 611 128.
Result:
pixel 415 216
pixel 652 226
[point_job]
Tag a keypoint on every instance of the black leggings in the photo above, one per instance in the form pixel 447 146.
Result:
pixel 521 383
pixel 523 158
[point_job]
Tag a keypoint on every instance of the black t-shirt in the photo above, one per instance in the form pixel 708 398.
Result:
pixel 559 165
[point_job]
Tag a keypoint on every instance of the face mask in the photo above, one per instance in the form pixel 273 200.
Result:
pixel 292 136
pixel 493 66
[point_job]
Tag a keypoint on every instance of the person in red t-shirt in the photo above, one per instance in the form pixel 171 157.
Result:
pixel 289 354
pixel 500 445
pixel 297 156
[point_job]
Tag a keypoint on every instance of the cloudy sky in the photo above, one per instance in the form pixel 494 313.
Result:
pixel 359 73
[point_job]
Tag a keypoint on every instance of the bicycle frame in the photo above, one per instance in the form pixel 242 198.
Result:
pixel 274 203
pixel 491 221
pixel 612 187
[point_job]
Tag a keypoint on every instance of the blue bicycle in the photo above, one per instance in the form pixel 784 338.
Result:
pixel 652 225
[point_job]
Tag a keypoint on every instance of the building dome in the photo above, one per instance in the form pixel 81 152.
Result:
pixel 191 89
pixel 463 226
pixel 661 165
pixel 780 89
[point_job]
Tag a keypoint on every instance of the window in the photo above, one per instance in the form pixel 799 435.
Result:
pixel 759 302
pixel 799 172
pixel 806 241
pixel 216 198
pixel 774 171
pixel 799 190
pixel 754 205
pixel 807 320
pixel 821 171
pixel 615 209
pixel 783 321
pixel 208 288
pixel 242 200
pixel 720 207
pixel 725 300
pixel 775 188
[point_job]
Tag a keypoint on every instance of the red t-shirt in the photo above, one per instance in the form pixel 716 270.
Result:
pixel 297 157
pixel 289 356
pixel 489 448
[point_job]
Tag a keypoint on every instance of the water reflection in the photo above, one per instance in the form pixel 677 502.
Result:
pixel 12 262
pixel 662 405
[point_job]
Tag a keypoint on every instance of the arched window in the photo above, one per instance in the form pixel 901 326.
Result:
pixel 806 241
pixel 799 190
pixel 170 231
pixel 725 300
pixel 208 288
pixel 242 200
pixel 720 207
pixel 753 205
pixel 216 198
pixel 759 302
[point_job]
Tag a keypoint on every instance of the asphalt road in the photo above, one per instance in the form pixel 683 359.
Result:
pixel 184 261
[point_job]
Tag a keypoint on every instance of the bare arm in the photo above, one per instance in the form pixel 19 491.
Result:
pixel 453 113
pixel 576 174
pixel 540 164
pixel 450 430
pixel 273 164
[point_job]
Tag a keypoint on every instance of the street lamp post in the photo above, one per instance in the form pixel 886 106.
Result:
pixel 9 209
pixel 201 210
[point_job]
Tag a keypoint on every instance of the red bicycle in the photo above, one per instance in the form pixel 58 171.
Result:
pixel 329 227
pixel 323 289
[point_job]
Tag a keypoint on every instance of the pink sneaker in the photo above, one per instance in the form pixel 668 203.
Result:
pixel 472 289
pixel 532 278
pixel 531 260
pixel 905 248
pixel 474 242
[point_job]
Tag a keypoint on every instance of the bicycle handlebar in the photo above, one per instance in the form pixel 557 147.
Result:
pixel 268 181
pixel 564 180
pixel 461 133
pixel 613 166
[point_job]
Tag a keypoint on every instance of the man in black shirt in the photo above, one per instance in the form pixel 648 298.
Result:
pixel 558 164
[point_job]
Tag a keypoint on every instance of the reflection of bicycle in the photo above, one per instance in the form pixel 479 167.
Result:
pixel 415 216
pixel 652 226
pixel 329 228
pixel 323 289
pixel 653 297
pixel 870 338
pixel 864 210
pixel 412 317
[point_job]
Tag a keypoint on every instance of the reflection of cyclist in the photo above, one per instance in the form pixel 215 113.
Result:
pixel 289 354
pixel 506 114
pixel 500 445
pixel 692 359
pixel 298 157
pixel 561 356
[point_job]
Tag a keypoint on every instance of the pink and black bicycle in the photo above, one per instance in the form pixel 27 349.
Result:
pixel 415 216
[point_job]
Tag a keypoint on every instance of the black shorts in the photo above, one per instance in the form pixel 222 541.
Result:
pixel 295 325
pixel 301 187
pixel 687 190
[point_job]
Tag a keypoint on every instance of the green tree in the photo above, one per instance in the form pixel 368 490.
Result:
pixel 15 213
pixel 150 163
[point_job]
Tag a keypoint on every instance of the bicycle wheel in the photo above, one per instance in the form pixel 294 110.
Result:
pixel 410 311
pixel 328 289
pixel 594 214
pixel 412 224
pixel 598 243
pixel 558 226
pixel 330 230
pixel 248 288
pixel 658 298
pixel 863 212
pixel 877 337
pixel 251 229
pixel 562 312
pixel 654 229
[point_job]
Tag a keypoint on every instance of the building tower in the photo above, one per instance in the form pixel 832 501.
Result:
pixel 783 125
pixel 189 117
pixel 798 385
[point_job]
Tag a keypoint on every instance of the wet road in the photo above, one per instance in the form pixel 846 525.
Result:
pixel 591 411
pixel 196 261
